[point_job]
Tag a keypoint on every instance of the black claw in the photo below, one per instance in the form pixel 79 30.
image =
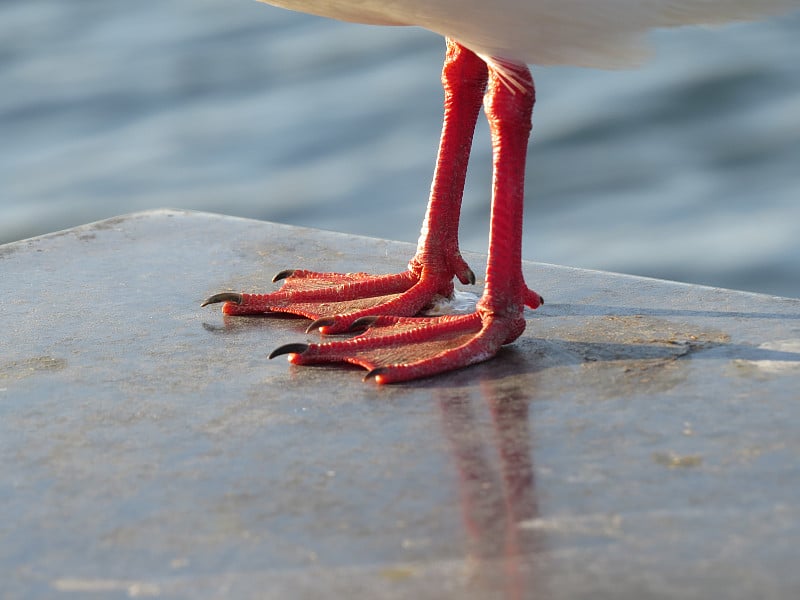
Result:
pixel 470 276
pixel 541 301
pixel 234 297
pixel 282 275
pixel 296 348
pixel 321 322
pixel 467 276
pixel 362 323
pixel 374 373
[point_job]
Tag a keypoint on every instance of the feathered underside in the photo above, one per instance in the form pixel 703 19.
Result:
pixel 596 33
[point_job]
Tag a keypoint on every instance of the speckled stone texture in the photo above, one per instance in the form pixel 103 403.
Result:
pixel 641 440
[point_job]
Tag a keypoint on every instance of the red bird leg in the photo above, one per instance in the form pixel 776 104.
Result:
pixel 403 348
pixel 336 300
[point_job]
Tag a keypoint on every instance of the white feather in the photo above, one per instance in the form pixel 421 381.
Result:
pixel 598 33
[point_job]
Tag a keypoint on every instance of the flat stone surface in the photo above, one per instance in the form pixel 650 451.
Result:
pixel 641 440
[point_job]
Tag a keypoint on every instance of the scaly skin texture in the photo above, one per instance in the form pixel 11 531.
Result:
pixel 398 346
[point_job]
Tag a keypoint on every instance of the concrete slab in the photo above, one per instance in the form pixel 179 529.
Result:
pixel 642 440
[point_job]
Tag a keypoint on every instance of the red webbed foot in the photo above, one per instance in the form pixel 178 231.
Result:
pixel 335 300
pixel 396 349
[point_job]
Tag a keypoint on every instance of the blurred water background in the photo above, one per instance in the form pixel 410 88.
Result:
pixel 686 169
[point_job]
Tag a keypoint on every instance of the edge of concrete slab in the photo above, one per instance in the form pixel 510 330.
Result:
pixel 639 440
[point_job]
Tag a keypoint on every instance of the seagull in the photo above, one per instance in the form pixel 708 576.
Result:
pixel 489 45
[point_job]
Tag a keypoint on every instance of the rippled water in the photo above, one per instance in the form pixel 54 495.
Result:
pixel 686 169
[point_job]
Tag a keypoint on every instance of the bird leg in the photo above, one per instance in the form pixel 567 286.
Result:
pixel 398 348
pixel 336 300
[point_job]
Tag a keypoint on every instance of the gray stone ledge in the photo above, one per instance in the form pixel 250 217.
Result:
pixel 641 440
